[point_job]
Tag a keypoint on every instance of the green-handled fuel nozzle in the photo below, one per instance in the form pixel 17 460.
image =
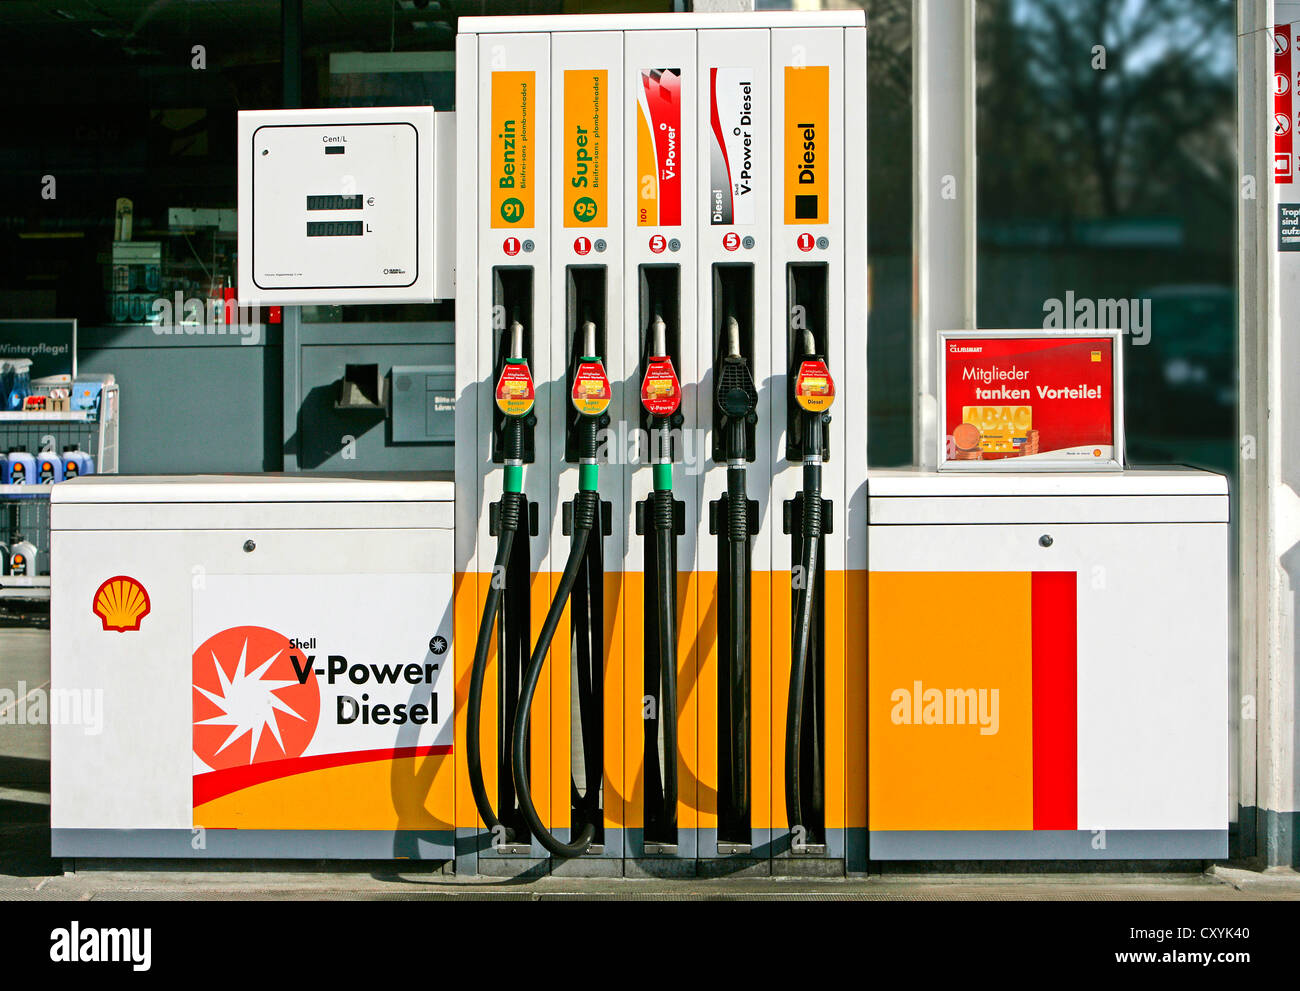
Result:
pixel 514 397
pixel 661 396
pixel 591 397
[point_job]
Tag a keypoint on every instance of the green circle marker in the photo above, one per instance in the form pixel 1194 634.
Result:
pixel 512 210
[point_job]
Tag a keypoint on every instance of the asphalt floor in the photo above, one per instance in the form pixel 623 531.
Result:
pixel 27 870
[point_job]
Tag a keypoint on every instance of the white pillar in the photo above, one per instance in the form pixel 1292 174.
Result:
pixel 943 201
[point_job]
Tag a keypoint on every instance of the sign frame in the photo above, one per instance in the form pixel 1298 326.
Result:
pixel 1045 463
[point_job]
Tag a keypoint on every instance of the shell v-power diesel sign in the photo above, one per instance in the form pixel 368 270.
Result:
pixel 662 613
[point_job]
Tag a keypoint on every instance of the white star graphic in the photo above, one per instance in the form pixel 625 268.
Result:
pixel 247 702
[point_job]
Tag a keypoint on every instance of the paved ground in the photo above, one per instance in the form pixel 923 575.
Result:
pixel 27 871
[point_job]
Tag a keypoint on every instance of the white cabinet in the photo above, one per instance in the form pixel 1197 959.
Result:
pixel 1088 615
pixel 258 666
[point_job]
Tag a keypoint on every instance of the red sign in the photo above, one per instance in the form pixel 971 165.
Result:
pixel 805 241
pixel 814 389
pixel 511 246
pixel 661 392
pixel 731 241
pixel 1048 398
pixel 657 243
pixel 591 392
pixel 1283 142
pixel 515 392
pixel 659 137
pixel 582 245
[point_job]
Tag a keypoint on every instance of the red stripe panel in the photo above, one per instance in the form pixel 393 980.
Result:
pixel 1056 732
pixel 214 784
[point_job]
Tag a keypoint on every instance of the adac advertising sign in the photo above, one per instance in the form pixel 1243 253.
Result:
pixel 1030 401
pixel 318 700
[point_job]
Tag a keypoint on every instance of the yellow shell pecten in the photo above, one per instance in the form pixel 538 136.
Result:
pixel 121 603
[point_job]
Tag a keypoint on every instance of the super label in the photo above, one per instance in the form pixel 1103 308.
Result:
pixel 584 136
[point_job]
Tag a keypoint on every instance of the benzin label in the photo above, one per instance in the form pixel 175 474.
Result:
pixel 513 96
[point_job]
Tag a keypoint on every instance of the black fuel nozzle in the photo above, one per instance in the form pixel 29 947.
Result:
pixel 736 395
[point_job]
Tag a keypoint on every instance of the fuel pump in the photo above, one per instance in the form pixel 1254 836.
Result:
pixel 814 392
pixel 590 395
pixel 737 400
pixel 515 397
pixel 661 396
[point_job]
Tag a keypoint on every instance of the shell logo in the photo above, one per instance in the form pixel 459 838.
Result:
pixel 121 603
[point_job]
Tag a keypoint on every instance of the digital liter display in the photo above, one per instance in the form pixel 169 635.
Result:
pixel 334 228
pixel 334 202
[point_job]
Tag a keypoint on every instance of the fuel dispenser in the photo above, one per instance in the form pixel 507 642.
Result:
pixel 678 205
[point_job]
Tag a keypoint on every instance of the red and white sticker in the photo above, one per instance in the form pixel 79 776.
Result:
pixel 515 392
pixel 657 243
pixel 805 241
pixel 731 240
pixel 591 392
pixel 511 246
pixel 661 392
pixel 582 245
pixel 1283 140
pixel 814 389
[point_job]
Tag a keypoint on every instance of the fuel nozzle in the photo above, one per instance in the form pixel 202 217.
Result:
pixel 661 390
pixel 814 391
pixel 736 395
pixel 591 391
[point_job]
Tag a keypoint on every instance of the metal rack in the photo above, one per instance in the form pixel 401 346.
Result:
pixel 25 509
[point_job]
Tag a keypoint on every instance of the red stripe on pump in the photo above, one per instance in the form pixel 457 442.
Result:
pixel 1053 608
pixel 211 785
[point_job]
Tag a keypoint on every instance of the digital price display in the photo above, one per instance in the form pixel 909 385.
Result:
pixel 334 228
pixel 334 202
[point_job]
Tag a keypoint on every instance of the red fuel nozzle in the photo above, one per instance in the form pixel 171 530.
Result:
pixel 661 391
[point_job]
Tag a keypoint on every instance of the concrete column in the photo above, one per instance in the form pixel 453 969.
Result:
pixel 1269 289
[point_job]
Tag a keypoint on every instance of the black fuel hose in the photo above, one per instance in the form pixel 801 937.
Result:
pixel 667 577
pixel 586 506
pixel 738 647
pixel 812 532
pixel 509 523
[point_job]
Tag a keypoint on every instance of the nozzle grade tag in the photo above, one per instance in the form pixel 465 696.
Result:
pixel 661 392
pixel 515 392
pixel 591 391
pixel 814 389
